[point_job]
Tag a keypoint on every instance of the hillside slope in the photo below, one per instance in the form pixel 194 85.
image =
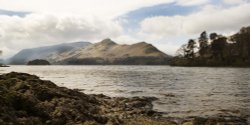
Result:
pixel 109 52
pixel 46 52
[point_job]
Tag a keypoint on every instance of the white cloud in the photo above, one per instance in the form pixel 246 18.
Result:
pixel 58 21
pixel 162 25
pixel 218 19
pixel 175 30
pixel 191 2
pixel 211 18
pixel 233 2
pixel 100 8
pixel 37 29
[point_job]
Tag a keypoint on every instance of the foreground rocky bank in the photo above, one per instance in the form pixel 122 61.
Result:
pixel 27 100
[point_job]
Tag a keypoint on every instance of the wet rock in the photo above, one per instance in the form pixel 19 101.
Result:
pixel 25 99
pixel 218 120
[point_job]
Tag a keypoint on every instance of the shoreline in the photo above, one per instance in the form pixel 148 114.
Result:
pixel 26 99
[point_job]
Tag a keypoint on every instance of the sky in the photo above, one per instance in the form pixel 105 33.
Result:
pixel 167 24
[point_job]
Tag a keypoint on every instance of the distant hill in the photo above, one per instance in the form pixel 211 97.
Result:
pixel 38 62
pixel 46 52
pixel 105 52
pixel 109 52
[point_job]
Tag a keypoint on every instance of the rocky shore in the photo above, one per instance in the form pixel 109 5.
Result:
pixel 27 100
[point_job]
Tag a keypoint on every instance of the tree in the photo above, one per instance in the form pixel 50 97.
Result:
pixel 203 41
pixel 242 40
pixel 181 52
pixel 190 48
pixel 213 36
pixel 187 50
pixel 218 46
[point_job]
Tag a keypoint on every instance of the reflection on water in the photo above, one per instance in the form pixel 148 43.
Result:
pixel 181 91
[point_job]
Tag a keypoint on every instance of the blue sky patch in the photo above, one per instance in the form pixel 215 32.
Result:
pixel 133 18
pixel 13 13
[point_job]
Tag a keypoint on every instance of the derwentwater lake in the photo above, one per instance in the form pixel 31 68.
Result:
pixel 181 91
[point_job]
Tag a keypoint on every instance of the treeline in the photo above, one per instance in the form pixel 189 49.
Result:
pixel 216 50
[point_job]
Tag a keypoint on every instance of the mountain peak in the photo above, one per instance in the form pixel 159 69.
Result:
pixel 142 44
pixel 107 41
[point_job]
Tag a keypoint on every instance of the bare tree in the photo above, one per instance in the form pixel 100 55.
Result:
pixel 181 52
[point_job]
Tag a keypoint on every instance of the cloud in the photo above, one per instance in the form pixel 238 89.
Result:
pixel 191 2
pixel 233 2
pixel 38 29
pixel 162 25
pixel 101 8
pixel 51 22
pixel 210 18
pixel 170 32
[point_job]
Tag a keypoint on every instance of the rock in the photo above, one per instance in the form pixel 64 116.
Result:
pixel 25 99
pixel 38 62
pixel 218 120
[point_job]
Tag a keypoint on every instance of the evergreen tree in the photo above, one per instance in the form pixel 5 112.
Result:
pixel 218 46
pixel 213 36
pixel 203 41
pixel 190 48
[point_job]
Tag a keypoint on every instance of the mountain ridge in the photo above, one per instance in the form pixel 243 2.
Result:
pixel 105 52
pixel 25 55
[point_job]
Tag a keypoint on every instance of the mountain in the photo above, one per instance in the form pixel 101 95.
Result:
pixel 46 52
pixel 109 52
pixel 106 52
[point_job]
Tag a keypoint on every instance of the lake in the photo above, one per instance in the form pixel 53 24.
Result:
pixel 181 91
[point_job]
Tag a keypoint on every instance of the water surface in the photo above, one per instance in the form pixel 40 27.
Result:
pixel 181 91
